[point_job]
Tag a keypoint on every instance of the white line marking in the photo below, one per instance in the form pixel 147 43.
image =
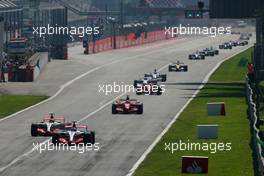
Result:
pixel 144 155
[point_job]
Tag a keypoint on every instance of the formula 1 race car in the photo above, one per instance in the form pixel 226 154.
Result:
pixel 242 43
pixel 245 36
pixel 178 67
pixel 226 45
pixel 197 56
pixel 210 52
pixel 145 80
pixel 148 88
pixel 127 106
pixel 74 134
pixel 156 76
pixel 47 126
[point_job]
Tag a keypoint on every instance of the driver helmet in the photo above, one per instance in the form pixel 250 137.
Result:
pixel 74 126
pixel 51 117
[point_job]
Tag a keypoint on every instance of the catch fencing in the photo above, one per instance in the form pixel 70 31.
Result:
pixel 256 143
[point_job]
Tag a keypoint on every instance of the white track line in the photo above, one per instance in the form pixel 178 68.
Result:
pixel 144 155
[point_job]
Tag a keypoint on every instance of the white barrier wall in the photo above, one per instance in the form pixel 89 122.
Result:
pixel 207 131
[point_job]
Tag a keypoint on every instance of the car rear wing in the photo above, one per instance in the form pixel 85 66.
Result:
pixel 77 126
pixel 126 100
pixel 55 118
pixel 82 126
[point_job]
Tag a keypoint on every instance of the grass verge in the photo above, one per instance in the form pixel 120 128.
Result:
pixel 225 85
pixel 12 103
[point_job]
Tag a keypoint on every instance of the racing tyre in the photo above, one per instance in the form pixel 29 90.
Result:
pixel 138 93
pixel 54 140
pixel 136 82
pixel 140 109
pixel 216 52
pixel 34 130
pixel 89 138
pixel 93 137
pixel 170 69
pixel 114 111
pixel 163 78
pixel 159 91
pixel 185 68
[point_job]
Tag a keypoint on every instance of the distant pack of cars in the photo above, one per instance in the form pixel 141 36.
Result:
pixel 200 55
pixel 231 44
pixel 63 132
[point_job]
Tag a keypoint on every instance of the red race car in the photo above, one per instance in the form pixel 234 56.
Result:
pixel 127 106
pixel 74 134
pixel 47 126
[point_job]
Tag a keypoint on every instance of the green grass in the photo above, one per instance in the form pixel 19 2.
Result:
pixel 225 85
pixel 10 104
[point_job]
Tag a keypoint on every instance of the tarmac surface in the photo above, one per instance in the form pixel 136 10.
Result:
pixel 122 138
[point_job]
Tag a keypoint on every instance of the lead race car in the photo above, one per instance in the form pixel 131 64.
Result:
pixel 47 126
pixel 242 43
pixel 178 67
pixel 74 134
pixel 156 76
pixel 127 106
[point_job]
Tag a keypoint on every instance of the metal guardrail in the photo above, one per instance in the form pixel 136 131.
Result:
pixel 258 144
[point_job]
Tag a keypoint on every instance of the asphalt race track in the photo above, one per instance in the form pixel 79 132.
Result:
pixel 123 138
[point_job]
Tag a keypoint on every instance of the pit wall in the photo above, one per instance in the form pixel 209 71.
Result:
pixel 125 41
pixel 29 72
